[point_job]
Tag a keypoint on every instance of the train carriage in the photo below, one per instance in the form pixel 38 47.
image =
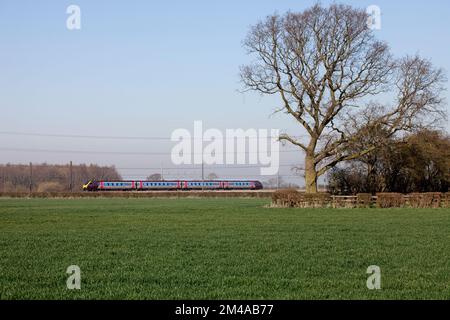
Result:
pixel 202 185
pixel 94 185
pixel 116 185
pixel 158 185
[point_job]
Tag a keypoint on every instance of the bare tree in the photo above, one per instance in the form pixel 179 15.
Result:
pixel 212 176
pixel 326 66
pixel 154 177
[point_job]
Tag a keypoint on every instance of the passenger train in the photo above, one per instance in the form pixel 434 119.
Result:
pixel 94 185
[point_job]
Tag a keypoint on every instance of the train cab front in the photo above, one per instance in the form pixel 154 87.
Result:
pixel 91 185
pixel 258 185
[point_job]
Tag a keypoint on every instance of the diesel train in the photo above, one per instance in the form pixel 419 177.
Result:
pixel 133 185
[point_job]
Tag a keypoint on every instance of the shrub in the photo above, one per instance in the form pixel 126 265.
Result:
pixel 364 200
pixel 446 200
pixel 344 201
pixel 425 200
pixel 288 198
pixel 316 200
pixel 390 200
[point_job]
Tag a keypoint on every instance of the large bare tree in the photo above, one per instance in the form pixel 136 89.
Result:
pixel 327 67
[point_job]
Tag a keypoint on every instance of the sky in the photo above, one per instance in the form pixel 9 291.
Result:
pixel 146 68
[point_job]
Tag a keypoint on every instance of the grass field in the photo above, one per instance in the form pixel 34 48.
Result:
pixel 219 249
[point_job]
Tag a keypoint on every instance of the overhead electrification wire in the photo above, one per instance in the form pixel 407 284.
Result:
pixel 155 138
pixel 121 152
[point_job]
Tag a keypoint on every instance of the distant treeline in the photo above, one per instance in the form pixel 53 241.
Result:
pixel 51 178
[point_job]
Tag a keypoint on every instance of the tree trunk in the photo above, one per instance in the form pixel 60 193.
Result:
pixel 310 174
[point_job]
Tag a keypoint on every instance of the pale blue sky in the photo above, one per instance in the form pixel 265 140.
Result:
pixel 145 68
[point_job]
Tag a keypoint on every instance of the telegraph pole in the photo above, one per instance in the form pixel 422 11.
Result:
pixel 71 177
pixel 31 177
pixel 278 181
pixel 203 171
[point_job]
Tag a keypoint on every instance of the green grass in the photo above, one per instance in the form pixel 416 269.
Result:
pixel 219 249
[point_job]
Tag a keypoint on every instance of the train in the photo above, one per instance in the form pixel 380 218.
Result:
pixel 168 185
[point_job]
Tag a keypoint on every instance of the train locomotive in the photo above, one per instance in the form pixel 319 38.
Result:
pixel 133 185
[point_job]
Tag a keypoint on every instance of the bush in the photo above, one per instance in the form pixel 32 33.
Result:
pixel 364 200
pixel 316 200
pixel 425 200
pixel 343 202
pixel 390 200
pixel 288 198
pixel 446 200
